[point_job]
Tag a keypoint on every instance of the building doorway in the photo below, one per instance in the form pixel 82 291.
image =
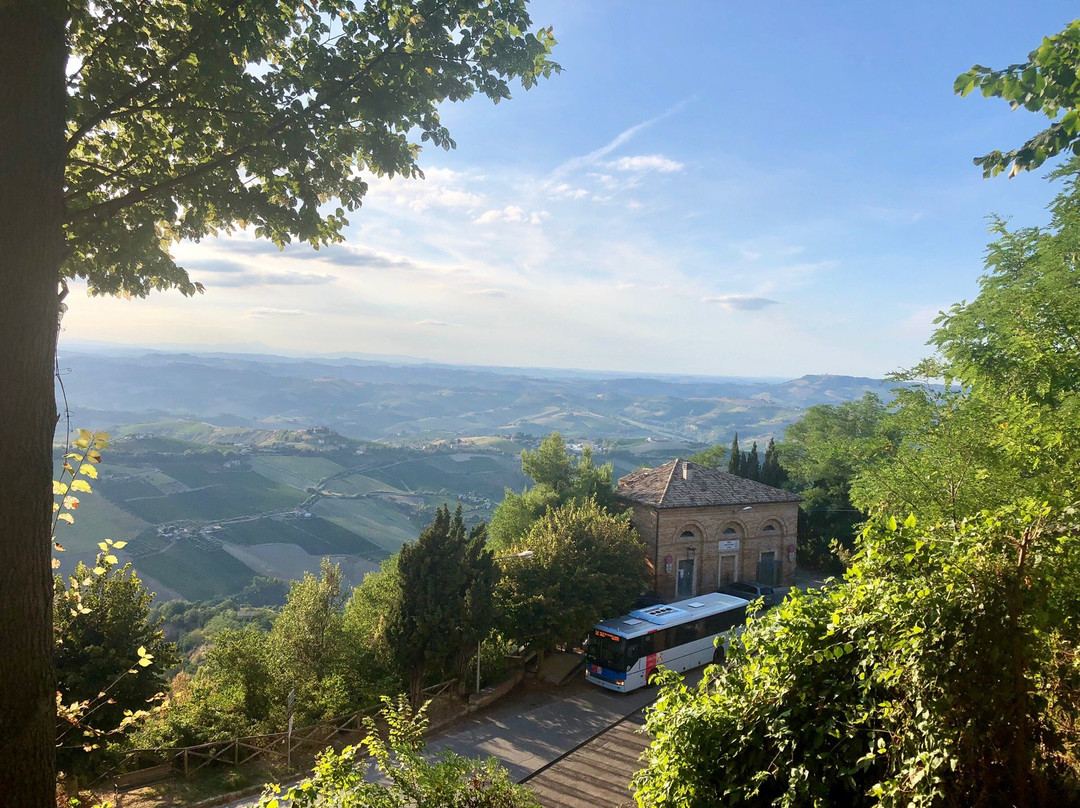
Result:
pixel 685 583
pixel 729 569
pixel 769 569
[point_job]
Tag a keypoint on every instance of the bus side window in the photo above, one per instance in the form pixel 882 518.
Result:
pixel 715 623
pixel 736 617
pixel 688 632
pixel 633 652
pixel 659 641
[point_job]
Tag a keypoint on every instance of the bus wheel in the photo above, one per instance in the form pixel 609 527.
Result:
pixel 719 656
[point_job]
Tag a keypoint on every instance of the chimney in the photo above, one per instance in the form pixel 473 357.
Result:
pixel 686 474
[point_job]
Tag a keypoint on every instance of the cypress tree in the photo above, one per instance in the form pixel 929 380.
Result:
pixel 752 468
pixel 447 580
pixel 772 473
pixel 735 457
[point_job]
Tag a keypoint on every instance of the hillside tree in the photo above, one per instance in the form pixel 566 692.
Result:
pixel 305 644
pixel 130 126
pixel 821 454
pixel 734 465
pixel 586 565
pixel 369 661
pixel 101 621
pixel 752 466
pixel 447 577
pixel 560 479
pixel 772 473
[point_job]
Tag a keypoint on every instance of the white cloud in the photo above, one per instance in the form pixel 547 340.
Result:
pixel 565 191
pixel 646 162
pixel 511 213
pixel 595 156
pixel 740 302
pixel 268 312
pixel 440 188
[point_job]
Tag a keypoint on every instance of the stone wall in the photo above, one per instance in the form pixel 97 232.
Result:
pixel 698 534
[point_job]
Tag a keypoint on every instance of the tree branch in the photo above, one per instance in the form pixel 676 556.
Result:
pixel 105 112
pixel 111 206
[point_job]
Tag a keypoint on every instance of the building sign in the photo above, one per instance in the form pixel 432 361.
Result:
pixel 726 546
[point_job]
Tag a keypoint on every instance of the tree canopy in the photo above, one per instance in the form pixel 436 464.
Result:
pixel 447 580
pixel 103 632
pixel 938 674
pixel 559 479
pixel 821 454
pixel 188 119
pixel 586 565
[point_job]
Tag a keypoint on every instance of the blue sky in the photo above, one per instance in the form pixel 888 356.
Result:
pixel 716 188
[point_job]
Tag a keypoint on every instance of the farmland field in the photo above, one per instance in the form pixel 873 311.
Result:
pixel 442 473
pixel 223 495
pixel 289 562
pixel 379 522
pixel 316 536
pixel 197 573
pixel 96 519
pixel 294 470
pixel 359 484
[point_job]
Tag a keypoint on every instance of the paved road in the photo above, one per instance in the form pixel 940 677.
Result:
pixel 532 727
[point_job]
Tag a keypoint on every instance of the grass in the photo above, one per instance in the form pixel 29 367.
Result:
pixel 196 573
pixel 316 536
pixel 294 470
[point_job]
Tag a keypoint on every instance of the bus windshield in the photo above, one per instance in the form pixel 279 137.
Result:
pixel 606 650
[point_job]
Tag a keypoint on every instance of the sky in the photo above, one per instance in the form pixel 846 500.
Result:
pixel 709 187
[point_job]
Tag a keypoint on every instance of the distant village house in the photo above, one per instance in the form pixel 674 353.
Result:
pixel 703 528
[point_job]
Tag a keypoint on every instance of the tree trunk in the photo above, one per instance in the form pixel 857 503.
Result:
pixel 32 120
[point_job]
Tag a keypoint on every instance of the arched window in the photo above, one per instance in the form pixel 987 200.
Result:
pixel 688 535
pixel 730 531
pixel 773 527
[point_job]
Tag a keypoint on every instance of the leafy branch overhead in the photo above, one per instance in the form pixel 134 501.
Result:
pixel 1048 82
pixel 189 119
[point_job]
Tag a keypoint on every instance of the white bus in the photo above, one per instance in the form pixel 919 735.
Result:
pixel 622 653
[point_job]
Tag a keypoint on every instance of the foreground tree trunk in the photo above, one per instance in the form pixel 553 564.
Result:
pixel 32 121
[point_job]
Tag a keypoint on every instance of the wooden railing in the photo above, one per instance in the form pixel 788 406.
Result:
pixel 141 767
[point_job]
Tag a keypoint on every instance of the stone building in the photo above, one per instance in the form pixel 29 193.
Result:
pixel 703 527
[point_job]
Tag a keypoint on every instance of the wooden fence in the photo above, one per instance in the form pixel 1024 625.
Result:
pixel 141 767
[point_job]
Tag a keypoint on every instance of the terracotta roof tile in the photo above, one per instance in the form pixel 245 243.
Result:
pixel 682 484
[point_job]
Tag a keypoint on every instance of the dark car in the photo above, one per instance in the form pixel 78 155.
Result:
pixel 751 590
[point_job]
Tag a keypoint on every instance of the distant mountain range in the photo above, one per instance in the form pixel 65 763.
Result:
pixel 409 402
